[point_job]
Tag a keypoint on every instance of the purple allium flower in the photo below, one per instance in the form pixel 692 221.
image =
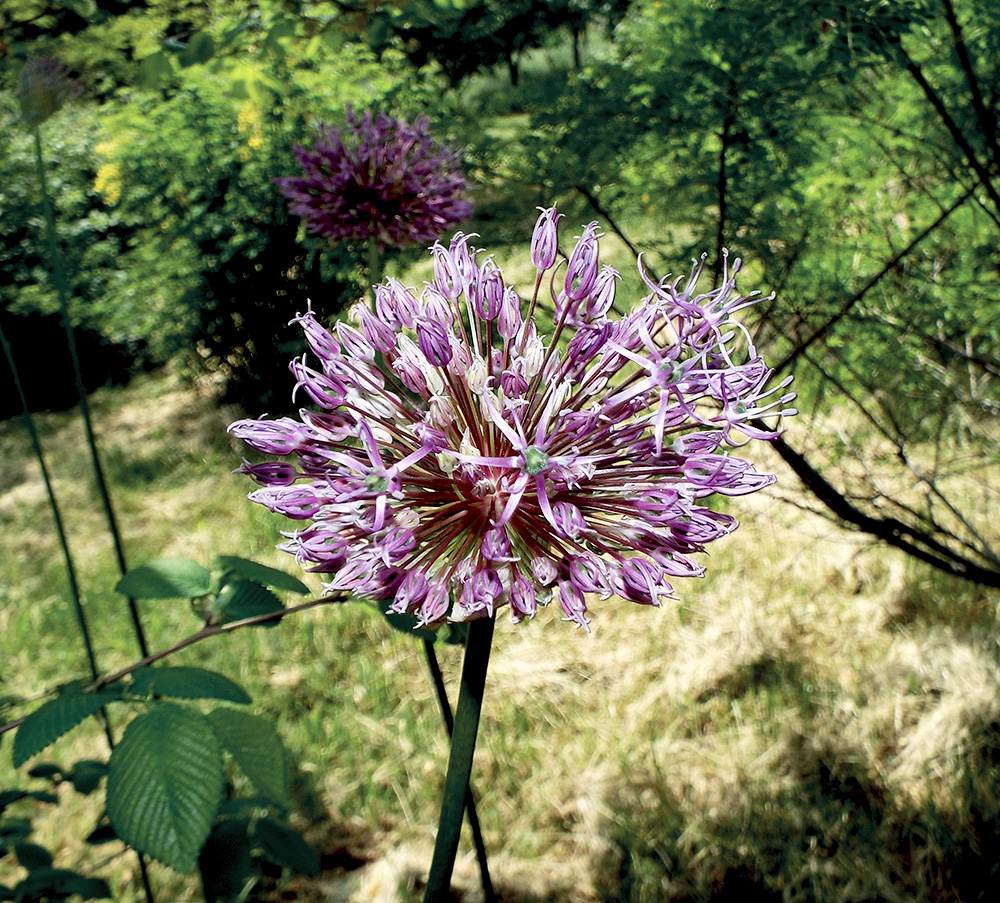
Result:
pixel 43 87
pixel 379 178
pixel 458 465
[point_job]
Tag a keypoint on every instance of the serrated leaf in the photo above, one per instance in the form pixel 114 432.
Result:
pixel 286 847
pixel 165 783
pixel 262 574
pixel 245 599
pixel 183 682
pixel 54 718
pixel 256 748
pixel 87 774
pixel 55 884
pixel 32 856
pixel 166 578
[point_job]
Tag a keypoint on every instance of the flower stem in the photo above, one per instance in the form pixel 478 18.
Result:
pixel 463 747
pixel 59 279
pixel 374 266
pixel 489 895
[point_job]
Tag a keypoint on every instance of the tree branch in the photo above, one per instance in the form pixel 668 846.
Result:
pixel 891 530
pixel 848 305
pixel 190 640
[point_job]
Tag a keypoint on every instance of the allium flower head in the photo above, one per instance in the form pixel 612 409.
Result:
pixel 458 462
pixel 379 178
pixel 43 87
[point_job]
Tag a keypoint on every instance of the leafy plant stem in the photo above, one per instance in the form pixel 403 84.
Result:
pixel 489 894
pixel 59 279
pixel 463 747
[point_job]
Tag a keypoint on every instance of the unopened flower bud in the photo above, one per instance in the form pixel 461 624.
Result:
pixel 43 87
pixel 433 341
pixel 544 240
pixel 581 273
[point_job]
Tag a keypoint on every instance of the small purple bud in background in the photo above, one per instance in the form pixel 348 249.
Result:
pixel 43 86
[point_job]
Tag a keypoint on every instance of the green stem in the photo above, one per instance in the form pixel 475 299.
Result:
pixel 489 895
pixel 74 585
pixel 59 278
pixel 374 263
pixel 463 747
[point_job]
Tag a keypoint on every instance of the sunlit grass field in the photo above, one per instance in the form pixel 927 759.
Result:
pixel 817 719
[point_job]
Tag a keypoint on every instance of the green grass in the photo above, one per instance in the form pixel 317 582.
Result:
pixel 815 720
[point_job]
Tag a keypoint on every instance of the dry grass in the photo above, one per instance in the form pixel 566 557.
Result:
pixel 815 720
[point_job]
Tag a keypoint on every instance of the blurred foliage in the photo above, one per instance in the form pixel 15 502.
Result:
pixel 173 233
pixel 848 152
pixel 468 36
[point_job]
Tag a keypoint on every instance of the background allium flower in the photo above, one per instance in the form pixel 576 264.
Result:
pixel 460 462
pixel 379 178
pixel 43 87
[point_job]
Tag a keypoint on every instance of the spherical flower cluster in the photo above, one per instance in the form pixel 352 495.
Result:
pixel 379 178
pixel 43 87
pixel 458 462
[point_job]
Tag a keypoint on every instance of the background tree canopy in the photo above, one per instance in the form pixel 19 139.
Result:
pixel 849 152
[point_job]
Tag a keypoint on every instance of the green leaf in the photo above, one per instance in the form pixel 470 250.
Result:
pixel 166 578
pixel 183 682
pixel 244 599
pixel 31 856
pixel 14 830
pixel 54 884
pixel 280 37
pixel 256 748
pixel 285 846
pixel 261 574
pixel 87 774
pixel 12 796
pixel 83 8
pixel 54 718
pixel 45 770
pixel 154 70
pixel 199 49
pixel 226 860
pixel 165 784
pixel 103 833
